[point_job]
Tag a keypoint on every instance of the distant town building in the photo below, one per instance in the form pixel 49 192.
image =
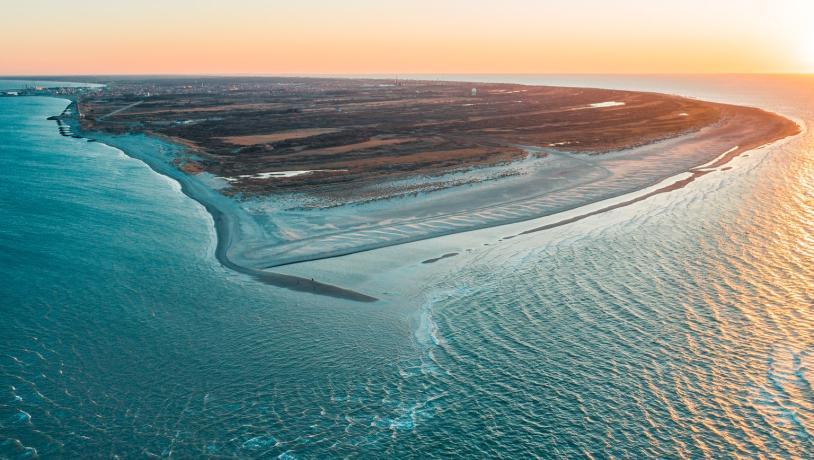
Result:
pixel 474 92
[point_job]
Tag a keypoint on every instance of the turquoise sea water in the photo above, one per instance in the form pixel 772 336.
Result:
pixel 682 326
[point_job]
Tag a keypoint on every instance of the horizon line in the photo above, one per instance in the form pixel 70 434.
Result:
pixel 395 74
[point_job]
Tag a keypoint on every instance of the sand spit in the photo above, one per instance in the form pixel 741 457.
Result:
pixel 574 170
pixel 559 182
pixel 380 131
pixel 228 218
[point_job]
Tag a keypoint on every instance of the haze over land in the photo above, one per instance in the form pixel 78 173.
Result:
pixel 365 36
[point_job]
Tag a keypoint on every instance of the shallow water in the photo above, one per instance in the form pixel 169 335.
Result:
pixel 681 326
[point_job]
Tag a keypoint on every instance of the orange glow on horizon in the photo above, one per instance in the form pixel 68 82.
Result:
pixel 362 36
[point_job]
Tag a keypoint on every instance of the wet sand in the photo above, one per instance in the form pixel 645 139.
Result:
pixel 548 182
pixel 555 183
pixel 227 217
pixel 760 137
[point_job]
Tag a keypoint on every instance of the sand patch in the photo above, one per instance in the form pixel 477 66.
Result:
pixel 599 105
pixel 255 139
pixel 282 174
pixel 446 158
pixel 372 143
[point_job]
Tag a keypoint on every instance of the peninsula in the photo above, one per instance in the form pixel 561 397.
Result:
pixel 336 137
pixel 298 169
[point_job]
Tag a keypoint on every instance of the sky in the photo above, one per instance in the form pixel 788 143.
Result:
pixel 46 37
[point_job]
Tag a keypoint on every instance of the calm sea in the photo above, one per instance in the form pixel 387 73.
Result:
pixel 679 327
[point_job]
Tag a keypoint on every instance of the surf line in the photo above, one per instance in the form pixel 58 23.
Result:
pixel 223 224
pixel 695 173
pixel 674 186
pixel 290 282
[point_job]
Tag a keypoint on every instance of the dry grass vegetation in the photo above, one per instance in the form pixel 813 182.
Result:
pixel 379 129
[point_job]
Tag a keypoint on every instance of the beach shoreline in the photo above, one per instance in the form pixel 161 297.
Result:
pixel 222 210
pixel 232 224
pixel 613 178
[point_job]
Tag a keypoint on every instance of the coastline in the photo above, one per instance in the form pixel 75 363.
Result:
pixel 694 301
pixel 718 163
pixel 224 212
pixel 233 225
pixel 615 174
pixel 391 272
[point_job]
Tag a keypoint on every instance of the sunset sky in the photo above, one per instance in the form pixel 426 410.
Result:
pixel 414 36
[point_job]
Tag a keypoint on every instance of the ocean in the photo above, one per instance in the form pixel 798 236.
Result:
pixel 681 326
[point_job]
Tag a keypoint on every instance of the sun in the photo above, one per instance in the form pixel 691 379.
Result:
pixel 808 49
pixel 805 54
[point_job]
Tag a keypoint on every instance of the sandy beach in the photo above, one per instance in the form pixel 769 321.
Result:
pixel 258 234
pixel 560 181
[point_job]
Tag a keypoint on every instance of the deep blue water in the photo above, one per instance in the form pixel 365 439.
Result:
pixel 122 334
pixel 682 326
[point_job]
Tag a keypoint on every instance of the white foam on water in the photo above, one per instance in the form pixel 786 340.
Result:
pixel 427 331
pixel 259 442
pixel 22 417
